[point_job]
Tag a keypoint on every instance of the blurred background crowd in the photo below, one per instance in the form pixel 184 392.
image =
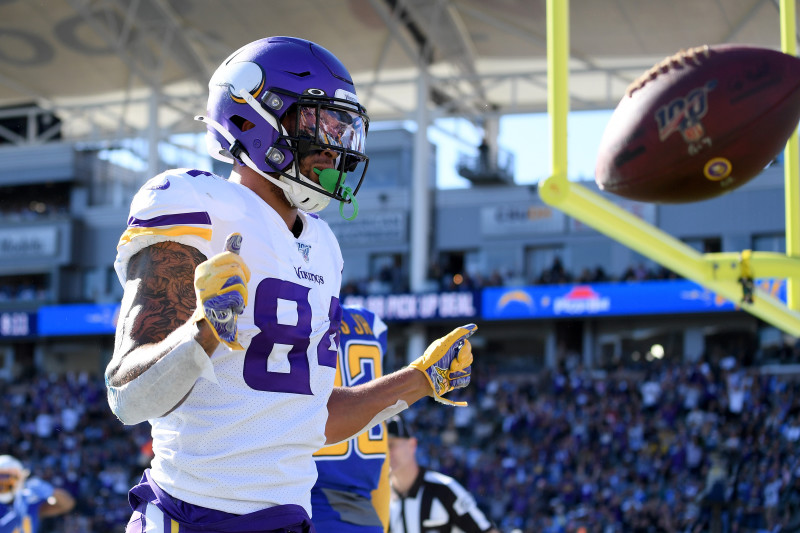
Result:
pixel 61 428
pixel 678 448
pixel 391 280
pixel 666 447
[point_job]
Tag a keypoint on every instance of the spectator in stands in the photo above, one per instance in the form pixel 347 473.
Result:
pixel 651 393
pixel 484 162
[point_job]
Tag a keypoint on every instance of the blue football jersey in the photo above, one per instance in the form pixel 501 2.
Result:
pixel 349 471
pixel 22 515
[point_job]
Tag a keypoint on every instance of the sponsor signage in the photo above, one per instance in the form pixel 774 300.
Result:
pixel 78 319
pixel 521 220
pixel 28 242
pixel 428 306
pixel 607 299
pixel 388 227
pixel 17 324
pixel 493 303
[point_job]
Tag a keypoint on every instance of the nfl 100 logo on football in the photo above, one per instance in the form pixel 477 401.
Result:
pixel 683 115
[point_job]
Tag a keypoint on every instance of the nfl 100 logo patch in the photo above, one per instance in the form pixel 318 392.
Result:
pixel 304 249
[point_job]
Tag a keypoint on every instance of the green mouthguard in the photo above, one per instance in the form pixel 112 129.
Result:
pixel 327 179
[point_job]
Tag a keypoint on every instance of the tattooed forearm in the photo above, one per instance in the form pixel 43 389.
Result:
pixel 159 298
pixel 164 297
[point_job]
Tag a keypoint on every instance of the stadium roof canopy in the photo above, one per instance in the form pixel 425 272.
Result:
pixel 106 66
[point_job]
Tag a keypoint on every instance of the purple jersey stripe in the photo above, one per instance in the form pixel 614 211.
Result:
pixel 199 217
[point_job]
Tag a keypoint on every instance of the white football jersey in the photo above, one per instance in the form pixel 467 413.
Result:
pixel 243 440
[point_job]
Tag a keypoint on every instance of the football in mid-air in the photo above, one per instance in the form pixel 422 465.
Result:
pixel 700 124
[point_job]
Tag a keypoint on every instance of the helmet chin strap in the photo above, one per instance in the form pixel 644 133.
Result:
pixel 305 198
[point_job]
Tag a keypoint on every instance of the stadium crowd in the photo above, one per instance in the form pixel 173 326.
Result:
pixel 33 202
pixel 665 447
pixel 23 288
pixel 60 427
pixel 674 448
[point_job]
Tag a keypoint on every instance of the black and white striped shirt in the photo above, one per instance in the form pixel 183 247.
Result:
pixel 436 503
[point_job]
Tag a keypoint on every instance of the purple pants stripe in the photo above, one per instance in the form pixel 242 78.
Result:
pixel 155 511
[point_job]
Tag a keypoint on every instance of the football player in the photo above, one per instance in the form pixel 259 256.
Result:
pixel 351 494
pixel 24 500
pixel 227 335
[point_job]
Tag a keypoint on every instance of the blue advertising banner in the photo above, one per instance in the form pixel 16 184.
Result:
pixel 493 303
pixel 607 299
pixel 17 324
pixel 427 306
pixel 78 319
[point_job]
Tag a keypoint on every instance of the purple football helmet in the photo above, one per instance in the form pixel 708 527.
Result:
pixel 264 81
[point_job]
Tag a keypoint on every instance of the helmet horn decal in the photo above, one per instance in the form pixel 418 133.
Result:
pixel 241 76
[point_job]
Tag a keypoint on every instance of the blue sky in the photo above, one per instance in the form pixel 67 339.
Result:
pixel 528 138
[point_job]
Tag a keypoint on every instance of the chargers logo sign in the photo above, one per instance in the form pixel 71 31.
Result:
pixel 516 297
pixel 643 298
pixel 581 300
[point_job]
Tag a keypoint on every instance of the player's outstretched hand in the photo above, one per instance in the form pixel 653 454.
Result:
pixel 447 363
pixel 220 284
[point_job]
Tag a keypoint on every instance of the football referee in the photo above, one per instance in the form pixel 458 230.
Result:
pixel 424 500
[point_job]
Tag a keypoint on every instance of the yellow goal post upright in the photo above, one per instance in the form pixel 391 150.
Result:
pixel 720 272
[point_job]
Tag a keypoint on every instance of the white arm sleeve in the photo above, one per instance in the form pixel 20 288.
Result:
pixel 159 388
pixel 390 411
